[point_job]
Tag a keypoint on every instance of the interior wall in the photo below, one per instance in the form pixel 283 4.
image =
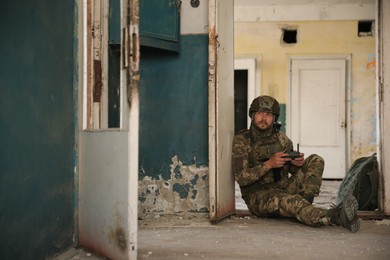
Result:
pixel 37 121
pixel 173 128
pixel 303 10
pixel 317 38
pixel 173 156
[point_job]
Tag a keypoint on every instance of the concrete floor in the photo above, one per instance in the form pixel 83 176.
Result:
pixel 255 238
pixel 183 236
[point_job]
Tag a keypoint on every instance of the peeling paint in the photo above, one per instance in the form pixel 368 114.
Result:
pixel 363 107
pixel 185 191
pixel 371 63
pixel 182 190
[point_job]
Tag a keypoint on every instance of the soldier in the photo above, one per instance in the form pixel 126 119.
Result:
pixel 274 185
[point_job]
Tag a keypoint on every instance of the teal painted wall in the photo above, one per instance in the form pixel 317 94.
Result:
pixel 174 111
pixel 174 105
pixel 37 128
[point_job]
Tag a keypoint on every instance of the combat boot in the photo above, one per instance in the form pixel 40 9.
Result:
pixel 345 215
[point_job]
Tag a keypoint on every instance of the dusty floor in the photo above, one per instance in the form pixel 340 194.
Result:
pixel 192 236
pixel 255 238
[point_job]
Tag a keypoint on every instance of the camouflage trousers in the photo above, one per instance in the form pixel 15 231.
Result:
pixel 293 199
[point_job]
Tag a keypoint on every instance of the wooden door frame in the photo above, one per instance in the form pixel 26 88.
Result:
pixel 383 93
pixel 383 103
pixel 221 125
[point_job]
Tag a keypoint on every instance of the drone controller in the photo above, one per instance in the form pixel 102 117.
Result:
pixel 293 154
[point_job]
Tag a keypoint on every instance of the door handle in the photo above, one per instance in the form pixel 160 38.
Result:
pixel 343 124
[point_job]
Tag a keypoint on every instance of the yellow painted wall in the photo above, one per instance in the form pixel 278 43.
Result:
pixel 317 38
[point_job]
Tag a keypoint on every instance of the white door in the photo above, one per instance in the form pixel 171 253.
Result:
pixel 221 109
pixel 318 111
pixel 108 158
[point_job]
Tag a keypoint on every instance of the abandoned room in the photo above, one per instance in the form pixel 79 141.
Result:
pixel 118 118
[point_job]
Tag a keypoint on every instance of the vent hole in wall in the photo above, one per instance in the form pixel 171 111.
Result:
pixel 365 28
pixel 289 36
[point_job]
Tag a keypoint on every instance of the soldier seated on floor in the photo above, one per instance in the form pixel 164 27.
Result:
pixel 275 182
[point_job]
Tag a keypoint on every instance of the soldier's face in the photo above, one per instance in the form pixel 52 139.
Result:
pixel 263 120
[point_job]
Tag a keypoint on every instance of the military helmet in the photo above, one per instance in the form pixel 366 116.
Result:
pixel 265 104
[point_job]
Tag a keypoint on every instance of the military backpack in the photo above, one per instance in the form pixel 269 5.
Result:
pixel 361 180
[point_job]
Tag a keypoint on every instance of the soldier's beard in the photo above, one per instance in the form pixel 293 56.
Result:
pixel 263 125
pixel 261 134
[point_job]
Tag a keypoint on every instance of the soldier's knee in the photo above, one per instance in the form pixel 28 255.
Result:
pixel 315 161
pixel 316 158
pixel 293 201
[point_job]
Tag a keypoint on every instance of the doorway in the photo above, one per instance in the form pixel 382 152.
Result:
pixel 246 88
pixel 255 34
pixel 245 85
pixel 240 99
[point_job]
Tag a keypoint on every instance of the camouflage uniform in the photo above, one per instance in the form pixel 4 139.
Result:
pixel 287 191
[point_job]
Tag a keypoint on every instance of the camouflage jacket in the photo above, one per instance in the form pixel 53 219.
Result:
pixel 251 149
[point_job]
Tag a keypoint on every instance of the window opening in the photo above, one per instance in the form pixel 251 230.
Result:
pixel 114 62
pixel 102 89
pixel 114 86
pixel 365 28
pixel 289 36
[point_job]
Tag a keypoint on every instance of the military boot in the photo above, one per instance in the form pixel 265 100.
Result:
pixel 345 215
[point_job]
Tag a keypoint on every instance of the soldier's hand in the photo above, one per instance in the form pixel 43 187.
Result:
pixel 299 161
pixel 277 160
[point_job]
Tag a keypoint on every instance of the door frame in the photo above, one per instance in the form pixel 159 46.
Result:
pixel 383 104
pixel 221 123
pixel 382 9
pixel 254 77
pixel 348 89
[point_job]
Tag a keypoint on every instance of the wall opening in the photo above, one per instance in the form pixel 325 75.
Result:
pixel 246 81
pixel 102 92
pixel 365 28
pixel 290 36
